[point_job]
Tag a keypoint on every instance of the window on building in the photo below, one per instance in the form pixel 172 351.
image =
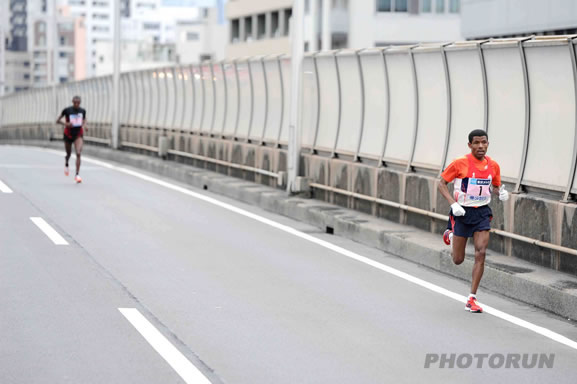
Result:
pixel 235 31
pixel 261 27
pixel 440 6
pixel 248 28
pixel 205 57
pixel 100 16
pixel 383 5
pixel 62 54
pixel 100 28
pixel 426 6
pixel 151 26
pixel 454 6
pixel 62 40
pixel 63 79
pixel 340 4
pixel 191 36
pixel 307 7
pixel 401 6
pixel 274 30
pixel 288 14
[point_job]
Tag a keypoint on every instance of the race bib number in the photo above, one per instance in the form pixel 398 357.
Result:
pixel 479 190
pixel 76 120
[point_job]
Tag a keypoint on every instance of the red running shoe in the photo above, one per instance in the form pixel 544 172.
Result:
pixel 448 236
pixel 473 306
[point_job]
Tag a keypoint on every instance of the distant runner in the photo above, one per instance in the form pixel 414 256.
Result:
pixel 476 176
pixel 73 133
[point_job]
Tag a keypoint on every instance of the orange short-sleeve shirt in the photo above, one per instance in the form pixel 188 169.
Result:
pixel 459 169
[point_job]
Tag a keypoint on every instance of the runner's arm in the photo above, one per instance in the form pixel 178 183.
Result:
pixel 445 191
pixel 59 120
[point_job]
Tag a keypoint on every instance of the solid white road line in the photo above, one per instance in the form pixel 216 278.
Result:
pixel 49 231
pixel 385 268
pixel 186 370
pixel 4 188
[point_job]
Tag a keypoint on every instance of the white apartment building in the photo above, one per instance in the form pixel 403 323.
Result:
pixel 259 27
pixel 98 22
pixel 162 33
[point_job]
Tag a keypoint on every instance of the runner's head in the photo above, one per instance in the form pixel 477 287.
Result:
pixel 76 101
pixel 478 142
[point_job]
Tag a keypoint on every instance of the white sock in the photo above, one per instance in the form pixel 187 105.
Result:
pixel 472 295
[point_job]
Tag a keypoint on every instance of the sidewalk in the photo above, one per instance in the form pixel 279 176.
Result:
pixel 511 277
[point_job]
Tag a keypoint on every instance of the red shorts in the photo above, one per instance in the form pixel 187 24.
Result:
pixel 71 134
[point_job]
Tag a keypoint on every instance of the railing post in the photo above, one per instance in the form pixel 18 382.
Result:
pixel 294 125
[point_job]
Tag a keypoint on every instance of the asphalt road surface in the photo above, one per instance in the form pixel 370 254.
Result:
pixel 156 282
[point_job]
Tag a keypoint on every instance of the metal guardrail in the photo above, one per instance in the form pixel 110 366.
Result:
pixel 225 163
pixel 438 216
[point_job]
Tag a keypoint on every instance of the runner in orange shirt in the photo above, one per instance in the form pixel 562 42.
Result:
pixel 475 177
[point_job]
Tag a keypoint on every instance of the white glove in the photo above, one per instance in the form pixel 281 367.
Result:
pixel 457 209
pixel 503 194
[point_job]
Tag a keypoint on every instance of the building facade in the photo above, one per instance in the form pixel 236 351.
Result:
pixel 483 19
pixel 260 27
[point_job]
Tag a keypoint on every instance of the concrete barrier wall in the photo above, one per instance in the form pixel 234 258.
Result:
pixel 379 122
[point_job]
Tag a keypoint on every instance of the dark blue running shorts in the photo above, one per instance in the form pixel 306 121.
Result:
pixel 475 220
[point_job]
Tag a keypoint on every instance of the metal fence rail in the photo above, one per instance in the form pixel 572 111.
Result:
pixel 409 107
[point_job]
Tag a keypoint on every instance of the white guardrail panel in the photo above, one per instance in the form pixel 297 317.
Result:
pixel 275 99
pixel 352 96
pixel 246 99
pixel 286 70
pixel 260 99
pixel 171 100
pixel 432 93
pixel 188 99
pixel 467 97
pixel 553 106
pixel 208 84
pixel 198 98
pixel 329 101
pixel 180 98
pixel 309 102
pixel 221 99
pixel 232 99
pixel 162 89
pixel 506 126
pixel 402 118
pixel 376 103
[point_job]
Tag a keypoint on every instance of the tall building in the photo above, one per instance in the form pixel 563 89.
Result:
pixel 483 19
pixel 18 26
pixel 56 45
pixel 98 21
pixel 14 57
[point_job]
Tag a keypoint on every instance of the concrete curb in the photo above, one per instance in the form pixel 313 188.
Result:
pixel 511 277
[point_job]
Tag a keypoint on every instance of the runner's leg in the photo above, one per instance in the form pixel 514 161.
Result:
pixel 78 143
pixel 459 244
pixel 68 148
pixel 481 240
